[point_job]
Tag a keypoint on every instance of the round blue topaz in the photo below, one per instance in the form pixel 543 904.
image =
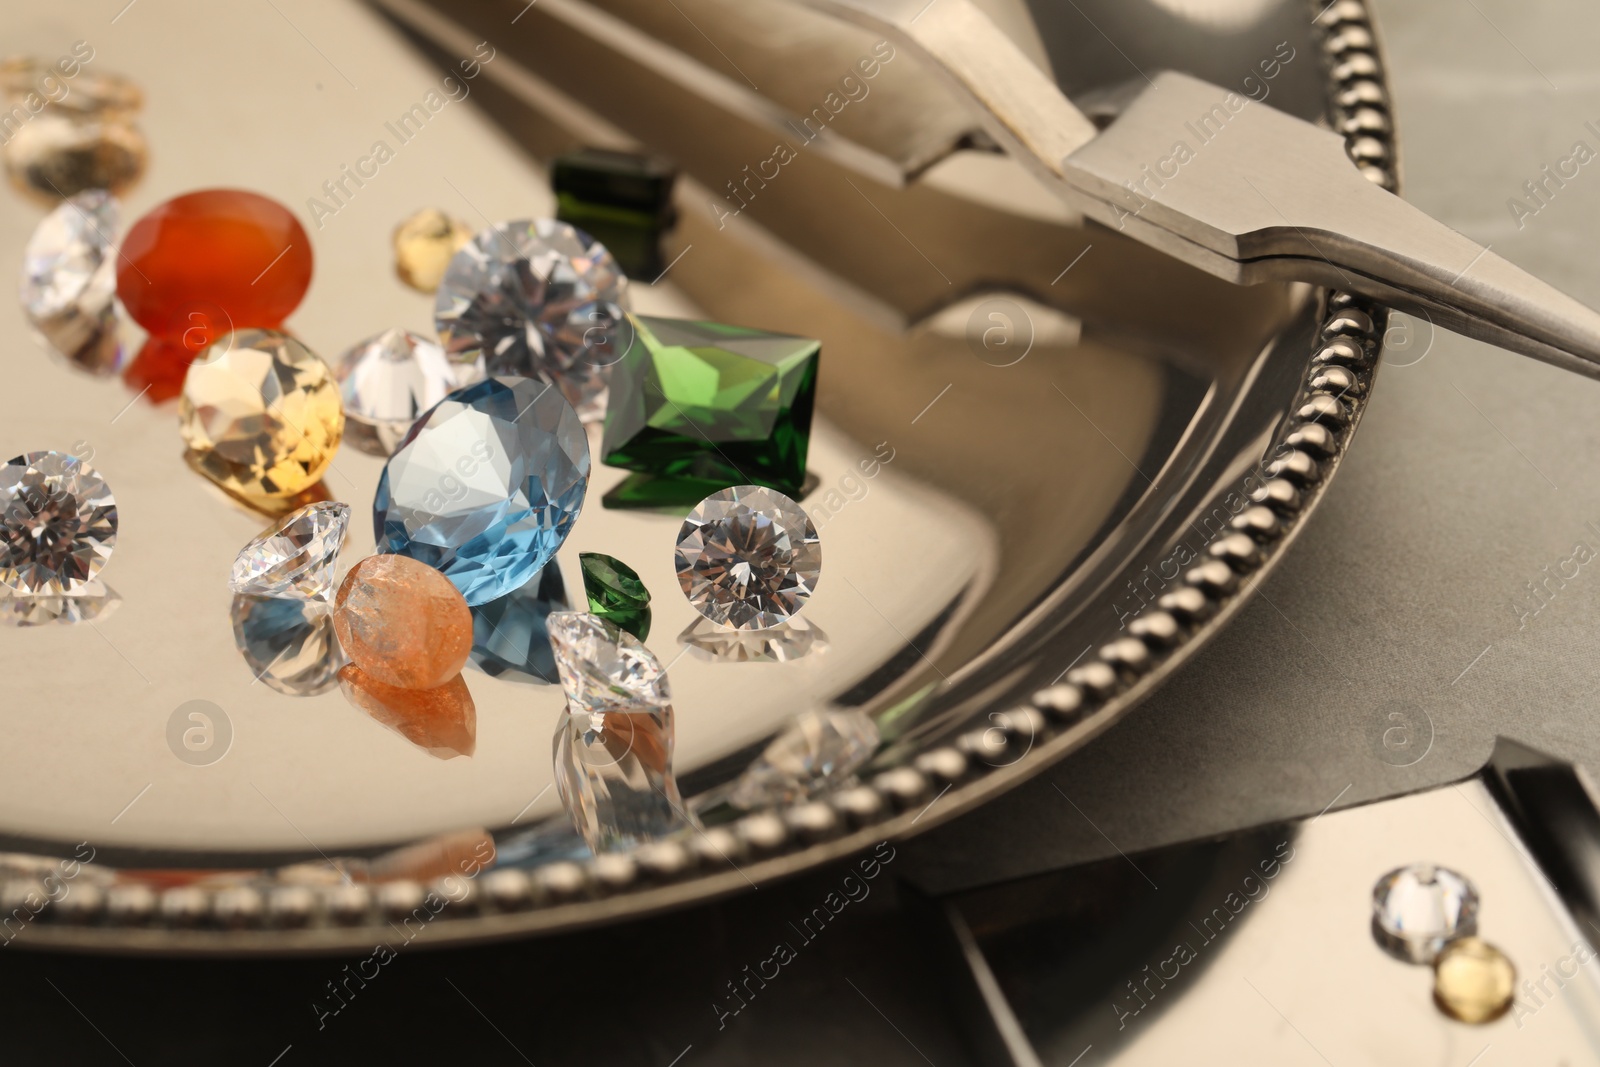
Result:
pixel 486 486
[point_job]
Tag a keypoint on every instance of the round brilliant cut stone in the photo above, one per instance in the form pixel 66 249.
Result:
pixel 388 380
pixel 486 485
pixel 58 524
pixel 537 298
pixel 69 282
pixel 295 558
pixel 1416 910
pixel 748 557
pixel 260 413
pixel 603 667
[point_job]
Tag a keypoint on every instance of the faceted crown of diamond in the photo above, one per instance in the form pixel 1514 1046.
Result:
pixel 486 485
pixel 1419 908
pixel 712 403
pixel 296 557
pixel 536 298
pixel 817 751
pixel 615 592
pixel 748 557
pixel 605 668
pixel 58 524
pixel 260 413
pixel 387 381
pixel 69 267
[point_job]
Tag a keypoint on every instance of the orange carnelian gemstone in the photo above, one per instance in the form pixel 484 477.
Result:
pixel 216 260
pixel 402 622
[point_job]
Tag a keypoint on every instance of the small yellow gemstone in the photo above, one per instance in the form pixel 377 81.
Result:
pixel 260 413
pixel 1473 981
pixel 424 245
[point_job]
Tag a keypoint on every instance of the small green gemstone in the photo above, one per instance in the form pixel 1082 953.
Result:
pixel 615 593
pixel 712 404
pixel 622 200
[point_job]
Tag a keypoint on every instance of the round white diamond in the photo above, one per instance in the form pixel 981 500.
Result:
pixel 748 557
pixel 296 557
pixel 69 282
pixel 1417 909
pixel 603 667
pixel 387 382
pixel 537 298
pixel 58 524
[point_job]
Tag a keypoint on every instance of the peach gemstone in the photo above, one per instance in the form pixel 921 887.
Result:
pixel 443 720
pixel 403 623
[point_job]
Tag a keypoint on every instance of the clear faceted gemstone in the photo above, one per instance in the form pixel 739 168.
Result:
pixel 486 486
pixel 58 524
pixel 816 752
pixel 510 637
pixel 297 556
pixel 748 557
pixel 787 641
pixel 537 298
pixel 289 645
pixel 1417 909
pixel 388 381
pixel 602 666
pixel 93 602
pixel 69 282
pixel 613 770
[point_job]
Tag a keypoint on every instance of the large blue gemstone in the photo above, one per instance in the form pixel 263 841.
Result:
pixel 486 486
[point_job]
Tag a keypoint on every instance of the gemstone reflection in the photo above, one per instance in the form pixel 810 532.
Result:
pixel 783 643
pixel 94 602
pixel 817 752
pixel 443 721
pixel 613 771
pixel 510 636
pixel 288 644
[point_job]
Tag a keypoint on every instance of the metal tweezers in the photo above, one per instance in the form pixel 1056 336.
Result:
pixel 1269 197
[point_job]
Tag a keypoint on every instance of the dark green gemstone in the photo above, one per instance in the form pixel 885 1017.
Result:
pixel 615 593
pixel 622 200
pixel 713 405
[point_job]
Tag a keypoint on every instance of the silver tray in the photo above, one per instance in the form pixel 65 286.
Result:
pixel 1056 532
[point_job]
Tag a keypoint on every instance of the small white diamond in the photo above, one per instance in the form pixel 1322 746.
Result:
pixel 748 557
pixel 605 668
pixel 58 524
pixel 1417 909
pixel 388 381
pixel 296 557
pixel 538 299
pixel 816 752
pixel 69 282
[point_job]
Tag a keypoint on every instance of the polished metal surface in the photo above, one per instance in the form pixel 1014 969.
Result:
pixel 1272 199
pixel 1258 948
pixel 1053 536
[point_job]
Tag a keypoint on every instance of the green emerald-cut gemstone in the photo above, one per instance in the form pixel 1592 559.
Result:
pixel 711 407
pixel 615 593
pixel 621 199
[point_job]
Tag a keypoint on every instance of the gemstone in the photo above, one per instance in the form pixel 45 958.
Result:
pixel 486 486
pixel 296 556
pixel 615 593
pixel 509 636
pixel 424 244
pixel 289 645
pixel 613 771
pixel 389 380
pixel 88 93
pixel 622 199
pixel 783 643
pixel 1416 909
pixel 536 299
pixel 260 413
pixel 58 524
pixel 603 667
pixel 816 752
pixel 92 603
pixel 69 282
pixel 208 262
pixel 748 558
pixel 57 154
pixel 402 622
pixel 1473 981
pixel 704 403
pixel 442 720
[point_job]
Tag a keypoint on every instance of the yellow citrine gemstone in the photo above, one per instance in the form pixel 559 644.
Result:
pixel 260 413
pixel 424 244
pixel 1473 981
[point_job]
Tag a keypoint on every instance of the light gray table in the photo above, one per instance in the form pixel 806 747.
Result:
pixel 1405 609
